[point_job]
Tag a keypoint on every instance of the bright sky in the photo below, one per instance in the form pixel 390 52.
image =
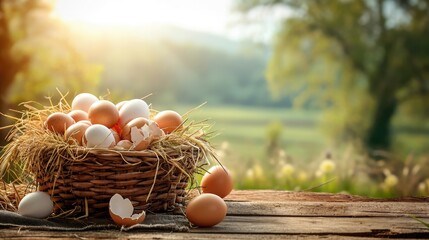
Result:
pixel 200 15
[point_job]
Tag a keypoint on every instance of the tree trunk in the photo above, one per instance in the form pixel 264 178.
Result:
pixel 379 134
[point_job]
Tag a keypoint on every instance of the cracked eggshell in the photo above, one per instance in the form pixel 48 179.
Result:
pixel 140 137
pixel 121 211
pixel 36 205
pixel 137 122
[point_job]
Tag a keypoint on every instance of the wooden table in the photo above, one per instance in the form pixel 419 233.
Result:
pixel 266 214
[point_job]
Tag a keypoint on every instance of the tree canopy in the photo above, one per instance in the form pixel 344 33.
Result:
pixel 37 55
pixel 365 60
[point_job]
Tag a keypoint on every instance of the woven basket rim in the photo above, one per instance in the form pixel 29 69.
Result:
pixel 129 153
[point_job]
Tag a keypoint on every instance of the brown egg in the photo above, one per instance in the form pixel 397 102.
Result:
pixel 136 122
pixel 217 180
pixel 59 122
pixel 76 131
pixel 168 120
pixel 206 210
pixel 78 115
pixel 103 112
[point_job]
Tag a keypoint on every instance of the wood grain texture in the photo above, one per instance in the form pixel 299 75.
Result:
pixel 281 196
pixel 329 209
pixel 270 214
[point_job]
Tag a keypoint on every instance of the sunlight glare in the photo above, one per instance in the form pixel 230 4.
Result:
pixel 192 14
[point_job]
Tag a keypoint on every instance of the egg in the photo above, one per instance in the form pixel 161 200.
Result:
pixel 99 136
pixel 76 132
pixel 83 101
pixel 36 205
pixel 168 120
pixel 217 180
pixel 120 105
pixel 206 210
pixel 121 211
pixel 133 109
pixel 103 112
pixel 58 122
pixel 78 115
pixel 137 122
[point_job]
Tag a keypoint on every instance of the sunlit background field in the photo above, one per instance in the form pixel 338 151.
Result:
pixel 292 107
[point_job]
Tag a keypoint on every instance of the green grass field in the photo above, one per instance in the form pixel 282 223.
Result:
pixel 246 129
pixel 245 132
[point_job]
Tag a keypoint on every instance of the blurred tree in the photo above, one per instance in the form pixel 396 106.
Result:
pixel 364 58
pixel 36 55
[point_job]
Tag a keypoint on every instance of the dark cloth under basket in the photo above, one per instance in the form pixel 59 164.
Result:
pixel 150 181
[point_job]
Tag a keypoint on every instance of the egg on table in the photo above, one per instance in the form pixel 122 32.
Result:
pixel 217 180
pixel 83 101
pixel 168 120
pixel 36 205
pixel 206 210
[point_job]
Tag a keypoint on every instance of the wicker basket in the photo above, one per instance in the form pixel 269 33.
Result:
pixel 82 180
pixel 147 179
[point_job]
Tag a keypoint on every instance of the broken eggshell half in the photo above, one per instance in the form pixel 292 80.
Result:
pixel 143 136
pixel 121 210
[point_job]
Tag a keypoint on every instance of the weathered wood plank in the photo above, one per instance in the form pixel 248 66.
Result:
pixel 326 209
pixel 359 226
pixel 282 226
pixel 279 196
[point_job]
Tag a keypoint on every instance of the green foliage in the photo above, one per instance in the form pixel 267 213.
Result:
pixel 43 46
pixel 364 60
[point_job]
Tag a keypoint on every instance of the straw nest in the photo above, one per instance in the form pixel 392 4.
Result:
pixel 82 180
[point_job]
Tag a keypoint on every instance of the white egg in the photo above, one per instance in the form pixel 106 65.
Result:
pixel 36 205
pixel 83 101
pixel 99 136
pixel 133 109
